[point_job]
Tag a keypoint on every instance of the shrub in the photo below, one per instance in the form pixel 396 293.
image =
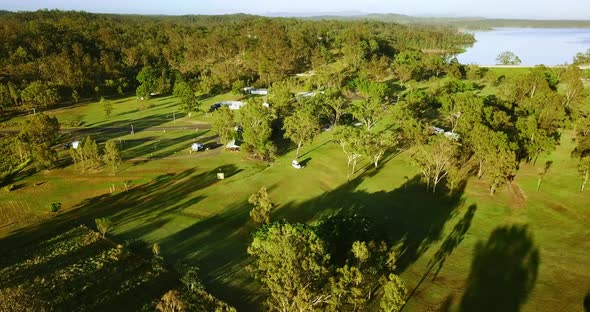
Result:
pixel 103 225
pixel 54 207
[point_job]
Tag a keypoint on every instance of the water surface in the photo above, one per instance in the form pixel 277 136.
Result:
pixel 534 46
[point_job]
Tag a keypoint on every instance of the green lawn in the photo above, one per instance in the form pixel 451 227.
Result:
pixel 127 111
pixel 177 201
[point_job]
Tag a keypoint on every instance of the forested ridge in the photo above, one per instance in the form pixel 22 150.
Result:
pixel 92 53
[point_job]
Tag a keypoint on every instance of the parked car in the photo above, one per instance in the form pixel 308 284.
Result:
pixel 215 107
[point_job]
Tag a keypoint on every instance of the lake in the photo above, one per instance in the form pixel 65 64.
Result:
pixel 534 46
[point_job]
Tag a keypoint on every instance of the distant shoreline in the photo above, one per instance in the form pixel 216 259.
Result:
pixel 529 66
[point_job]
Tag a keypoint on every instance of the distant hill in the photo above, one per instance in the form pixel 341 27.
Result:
pixel 461 22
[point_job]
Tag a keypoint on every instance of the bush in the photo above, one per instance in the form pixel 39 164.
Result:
pixel 54 207
pixel 136 246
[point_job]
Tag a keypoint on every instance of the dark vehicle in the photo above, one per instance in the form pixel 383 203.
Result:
pixel 214 107
pixel 67 146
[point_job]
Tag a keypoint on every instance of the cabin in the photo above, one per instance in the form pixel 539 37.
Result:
pixel 255 91
pixel 233 105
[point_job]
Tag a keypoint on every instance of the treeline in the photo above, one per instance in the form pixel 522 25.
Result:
pixel 51 56
pixel 465 22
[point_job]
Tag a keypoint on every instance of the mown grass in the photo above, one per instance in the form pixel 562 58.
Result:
pixel 177 201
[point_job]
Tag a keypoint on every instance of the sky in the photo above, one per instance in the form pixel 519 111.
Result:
pixel 535 9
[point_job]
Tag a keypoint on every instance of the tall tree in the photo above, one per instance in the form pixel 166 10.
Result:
pixel 375 145
pixel 350 140
pixel 260 213
pixel 462 110
pixel 435 159
pixel 188 99
pixel 573 86
pixel 37 136
pixel 223 124
pixel 256 120
pixel 290 262
pixel 369 112
pixel 508 58
pixel 302 126
pixel 107 106
pixel 89 155
pixel 112 155
pixel 333 105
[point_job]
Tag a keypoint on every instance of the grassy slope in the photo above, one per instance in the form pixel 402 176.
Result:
pixel 178 202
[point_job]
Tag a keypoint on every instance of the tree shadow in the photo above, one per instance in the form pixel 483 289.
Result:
pixel 305 162
pixel 503 272
pixel 451 242
pixel 408 216
pixel 148 203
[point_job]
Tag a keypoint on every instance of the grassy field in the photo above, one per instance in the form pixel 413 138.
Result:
pixel 176 200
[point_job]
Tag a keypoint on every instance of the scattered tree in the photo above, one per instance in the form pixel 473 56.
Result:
pixel 107 106
pixel 302 127
pixel 369 112
pixel 37 136
pixel 103 225
pixel 188 99
pixel 260 213
pixel 508 58
pixel 256 120
pixel 290 262
pixel 351 141
pixel 112 155
pixel 435 159
pixel 394 294
pixel 223 124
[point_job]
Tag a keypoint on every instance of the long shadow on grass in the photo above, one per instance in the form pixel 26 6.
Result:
pixel 408 216
pixel 218 246
pixel 503 272
pixel 148 203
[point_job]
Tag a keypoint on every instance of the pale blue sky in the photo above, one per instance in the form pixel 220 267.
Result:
pixel 548 9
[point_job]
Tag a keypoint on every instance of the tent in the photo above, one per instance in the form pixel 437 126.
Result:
pixel 75 144
pixel 232 146
pixel 197 147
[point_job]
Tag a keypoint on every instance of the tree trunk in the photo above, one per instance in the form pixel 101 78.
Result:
pixel 348 170
pixel 492 188
pixel 298 149
pixel 480 171
pixel 585 180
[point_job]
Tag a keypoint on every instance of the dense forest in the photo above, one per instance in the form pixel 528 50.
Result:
pixel 51 56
